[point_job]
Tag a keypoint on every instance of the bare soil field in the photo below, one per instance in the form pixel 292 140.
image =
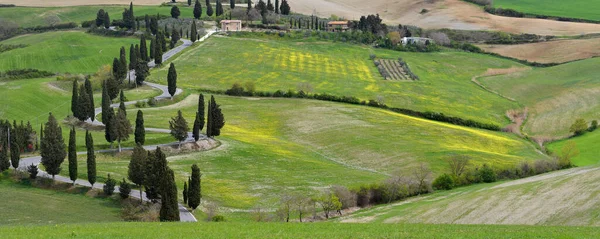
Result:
pixel 61 3
pixel 549 52
pixel 454 14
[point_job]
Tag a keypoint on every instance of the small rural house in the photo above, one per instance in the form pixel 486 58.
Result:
pixel 231 25
pixel 337 26
pixel 416 40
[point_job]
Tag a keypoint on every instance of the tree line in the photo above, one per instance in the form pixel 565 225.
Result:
pixel 14 140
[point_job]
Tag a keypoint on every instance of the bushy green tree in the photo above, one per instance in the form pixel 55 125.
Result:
pixel 219 11
pixel 487 174
pixel 579 127
pixel 124 189
pixel 443 182
pixel 53 148
pixel 109 186
pixel 197 10
pixel 140 131
pixel 285 7
pixel 172 80
pixel 137 167
pixel 194 189
pixel 100 18
pixel 179 128
pixel 329 202
pixel 199 120
pixel 175 37
pixel 209 10
pixel 142 72
pixel 72 156
pixel 594 126
pixel 91 158
pixel 175 13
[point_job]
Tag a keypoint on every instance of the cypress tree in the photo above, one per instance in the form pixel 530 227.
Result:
pixel 110 126
pixel 106 20
pixel 219 8
pixel 75 100
pixel 216 118
pixel 158 52
pixel 151 177
pixel 169 208
pixel 209 120
pixel 172 80
pixel 277 6
pixel 209 10
pixel 4 159
pixel 123 66
pixel 140 131
pixel 154 25
pixel 91 158
pixel 137 167
pixel 84 103
pixel 132 57
pixel 90 110
pixel 189 3
pixel 152 45
pixel 249 7
pixel 175 37
pixel 115 67
pixel 100 18
pixel 199 121
pixel 175 13
pixel 270 6
pixel 194 32
pixel 122 100
pixel 53 147
pixel 72 156
pixel 179 128
pixel 105 102
pixel 131 15
pixel 285 7
pixel 232 4
pixel 112 87
pixel 185 192
pixel 143 50
pixel 15 147
pixel 197 10
pixel 166 32
pixel 141 72
pixel 124 189
pixel 194 195
pixel 123 127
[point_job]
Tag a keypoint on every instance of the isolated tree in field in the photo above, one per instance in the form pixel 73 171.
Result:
pixel 219 11
pixel 90 93
pixel 72 156
pixel 124 189
pixel 169 208
pixel 106 21
pixel 109 186
pixel 140 131
pixel 579 127
pixel 53 147
pixel 172 80
pixel 216 120
pixel 175 37
pixel 175 13
pixel 232 4
pixel 270 6
pixel 15 147
pixel 197 10
pixel 123 127
pixel 285 7
pixel 199 121
pixel 209 10
pixel 141 72
pixel 277 6
pixel 179 128
pixel 91 158
pixel 100 18
pixel 137 167
pixel 194 32
pixel 143 50
pixel 75 99
pixel 195 194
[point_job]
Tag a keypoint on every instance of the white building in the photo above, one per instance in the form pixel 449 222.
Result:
pixel 416 40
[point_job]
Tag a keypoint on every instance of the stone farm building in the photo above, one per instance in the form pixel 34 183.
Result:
pixel 231 25
pixel 337 26
pixel 416 40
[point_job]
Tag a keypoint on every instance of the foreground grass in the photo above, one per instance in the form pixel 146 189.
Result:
pixel 566 197
pixel 24 204
pixel 584 9
pixel 587 146
pixel 343 69
pixel 71 51
pixel 555 96
pixel 292 230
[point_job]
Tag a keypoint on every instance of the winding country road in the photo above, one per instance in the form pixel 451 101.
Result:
pixel 184 214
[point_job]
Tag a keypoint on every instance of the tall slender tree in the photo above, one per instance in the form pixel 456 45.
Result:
pixel 123 66
pixel 185 192
pixel 232 4
pixel 132 58
pixel 137 167
pixel 75 99
pixel 194 32
pixel 189 3
pixel 169 208
pixel 175 37
pixel 4 158
pixel 105 102
pixel 195 194
pixel 277 6
pixel 106 21
pixel 216 119
pixel 285 7
pixel 72 156
pixel 110 126
pixel 209 10
pixel 172 80
pixel 143 49
pixel 84 104
pixel 141 72
pixel 53 147
pixel 270 6
pixel 91 158
pixel 197 10
pixel 219 11
pixel 199 121
pixel 249 7
pixel 123 127
pixel 15 146
pixel 90 111
pixel 152 48
pixel 179 128
pixel 152 176
pixel 158 51
pixel 140 131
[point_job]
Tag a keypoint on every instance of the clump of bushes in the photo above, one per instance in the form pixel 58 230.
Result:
pixel 25 74
pixel 109 186
pixel 152 102
pixel 124 189
pixel 443 182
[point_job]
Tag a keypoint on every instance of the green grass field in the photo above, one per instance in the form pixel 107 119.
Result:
pixel 555 96
pixel 566 197
pixel 36 16
pixel 72 51
pixel 22 204
pixel 294 230
pixel 584 9
pixel 343 69
pixel 587 145
pixel 273 146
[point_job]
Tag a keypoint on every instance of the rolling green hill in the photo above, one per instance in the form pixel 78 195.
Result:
pixel 584 9
pixel 344 70
pixel 587 146
pixel 72 51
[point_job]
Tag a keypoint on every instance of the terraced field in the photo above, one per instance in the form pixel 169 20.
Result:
pixel 342 69
pixel 73 52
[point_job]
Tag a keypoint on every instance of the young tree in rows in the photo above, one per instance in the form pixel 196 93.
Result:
pixel 75 99
pixel 219 11
pixel 152 46
pixel 277 6
pixel 100 18
pixel 123 127
pixel 53 147
pixel 106 21
pixel 158 51
pixel 195 193
pixel 270 6
pixel 209 10
pixel 132 58
pixel 109 186
pixel 185 193
pixel 175 37
pixel 194 32
pixel 197 10
pixel 172 80
pixel 123 66
pixel 169 208
pixel 91 158
pixel 137 167
pixel 90 93
pixel 143 50
pixel 216 120
pixel 232 4
pixel 285 7
pixel 141 73
pixel 72 156
pixel 179 128
pixel 175 13
pixel 15 147
pixel 84 104
pixel 140 131
pixel 199 121
pixel 124 189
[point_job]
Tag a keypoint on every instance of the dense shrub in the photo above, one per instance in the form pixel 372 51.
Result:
pixel 124 189
pixel 443 182
pixel 218 218
pixel 25 74
pixel 90 23
pixel 152 102
pixel 33 171
pixel 69 25
pixel 109 186
pixel 7 5
pixel 487 174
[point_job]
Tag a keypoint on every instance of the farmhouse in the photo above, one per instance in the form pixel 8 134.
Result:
pixel 231 25
pixel 337 26
pixel 416 40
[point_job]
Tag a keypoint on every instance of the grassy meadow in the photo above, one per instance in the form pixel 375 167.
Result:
pixel 64 51
pixel 584 9
pixel 343 69
pixel 587 146
pixel 23 204
pixel 566 197
pixel 555 96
